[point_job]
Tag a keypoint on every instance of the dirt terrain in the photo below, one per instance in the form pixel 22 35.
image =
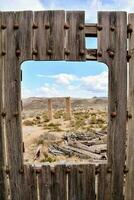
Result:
pixel 82 138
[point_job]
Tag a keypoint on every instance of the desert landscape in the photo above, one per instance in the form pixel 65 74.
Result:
pixel 80 136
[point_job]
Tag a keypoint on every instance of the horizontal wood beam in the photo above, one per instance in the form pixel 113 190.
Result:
pixel 91 30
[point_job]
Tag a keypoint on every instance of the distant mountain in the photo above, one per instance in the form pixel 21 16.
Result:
pixel 40 103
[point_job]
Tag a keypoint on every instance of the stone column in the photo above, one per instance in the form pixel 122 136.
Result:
pixel 68 107
pixel 50 112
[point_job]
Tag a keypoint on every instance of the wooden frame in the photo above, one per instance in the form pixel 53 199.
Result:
pixel 60 35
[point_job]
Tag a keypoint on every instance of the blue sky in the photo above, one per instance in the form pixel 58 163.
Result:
pixel 49 79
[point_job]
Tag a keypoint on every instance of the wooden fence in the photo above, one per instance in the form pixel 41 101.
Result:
pixel 60 35
pixel 68 182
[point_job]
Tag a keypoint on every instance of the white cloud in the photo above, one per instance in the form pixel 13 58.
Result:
pixel 17 5
pixel 66 85
pixel 25 92
pixel 62 78
pixel 96 84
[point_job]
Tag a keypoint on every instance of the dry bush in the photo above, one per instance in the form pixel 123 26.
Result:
pixel 28 122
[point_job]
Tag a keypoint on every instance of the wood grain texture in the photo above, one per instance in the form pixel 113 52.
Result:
pixel 103 189
pixel 24 34
pixel 49 36
pixel 12 106
pixel 81 182
pixel 130 145
pixel 59 185
pixel 3 189
pixel 29 186
pixel 75 41
pixel 45 183
pixel 113 46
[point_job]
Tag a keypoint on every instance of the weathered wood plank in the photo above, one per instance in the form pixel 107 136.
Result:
pixel 29 187
pixel 103 188
pixel 48 42
pixel 130 145
pixel 59 184
pixel 45 183
pixel 81 182
pixel 90 30
pixel 75 41
pixel 23 30
pixel 3 190
pixel 12 106
pixel 112 50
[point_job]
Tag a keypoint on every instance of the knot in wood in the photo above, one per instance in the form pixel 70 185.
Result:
pixel 109 170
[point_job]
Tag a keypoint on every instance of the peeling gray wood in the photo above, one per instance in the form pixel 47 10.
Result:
pixel 49 35
pixel 103 188
pixel 130 144
pixel 81 182
pixel 3 189
pixel 112 44
pixel 75 41
pixel 12 106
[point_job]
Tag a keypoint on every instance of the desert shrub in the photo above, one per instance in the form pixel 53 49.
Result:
pixel 28 123
pixel 93 119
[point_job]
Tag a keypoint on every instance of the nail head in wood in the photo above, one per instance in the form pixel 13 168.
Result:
pixel 99 27
pixel 35 52
pixel 109 170
pixel 3 27
pixel 47 26
pixel 129 115
pixel 99 54
pixel 113 114
pixel 67 52
pixel 18 52
pixel 35 26
pixel 129 28
pixel 3 53
pixel 66 26
pixel 81 26
pixel 82 52
pixel 15 114
pixel 112 28
pixel 3 114
pixel 7 170
pixel 21 171
pixel 68 169
pixel 16 26
pixel 128 57
pixel 49 52
pixel 111 54
pixel 126 170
